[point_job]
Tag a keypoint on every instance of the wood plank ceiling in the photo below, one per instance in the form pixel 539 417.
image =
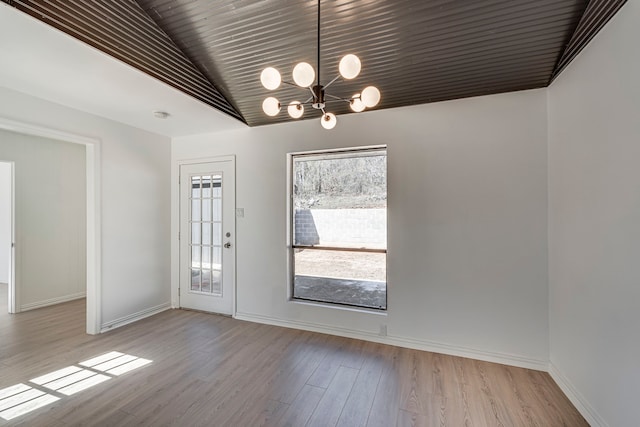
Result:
pixel 414 51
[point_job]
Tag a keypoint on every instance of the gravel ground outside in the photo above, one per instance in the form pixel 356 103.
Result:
pixel 342 265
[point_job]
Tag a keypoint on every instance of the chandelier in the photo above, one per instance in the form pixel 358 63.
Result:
pixel 304 77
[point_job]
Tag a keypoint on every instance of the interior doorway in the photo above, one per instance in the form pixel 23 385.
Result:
pixel 47 234
pixel 92 244
pixel 6 236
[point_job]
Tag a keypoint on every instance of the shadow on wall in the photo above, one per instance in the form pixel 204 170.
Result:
pixel 306 232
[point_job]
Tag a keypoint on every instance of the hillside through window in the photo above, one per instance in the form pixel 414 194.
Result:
pixel 339 227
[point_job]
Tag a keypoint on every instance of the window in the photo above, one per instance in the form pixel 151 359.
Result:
pixel 206 234
pixel 339 227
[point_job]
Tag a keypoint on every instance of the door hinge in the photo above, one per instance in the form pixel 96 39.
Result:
pixel 178 291
pixel 178 235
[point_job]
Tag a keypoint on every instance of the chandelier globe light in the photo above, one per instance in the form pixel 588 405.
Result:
pixel 349 66
pixel 356 103
pixel 328 121
pixel 271 106
pixel 304 76
pixel 295 109
pixel 370 96
pixel 270 78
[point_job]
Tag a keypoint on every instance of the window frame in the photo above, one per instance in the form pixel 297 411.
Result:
pixel 292 246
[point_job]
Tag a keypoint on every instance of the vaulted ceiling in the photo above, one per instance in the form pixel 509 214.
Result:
pixel 414 51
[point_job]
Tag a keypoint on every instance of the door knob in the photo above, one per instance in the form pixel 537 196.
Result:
pixel 227 245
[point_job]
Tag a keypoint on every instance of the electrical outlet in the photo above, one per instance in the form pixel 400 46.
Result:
pixel 383 330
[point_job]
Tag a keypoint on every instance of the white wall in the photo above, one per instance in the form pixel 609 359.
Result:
pixel 5 221
pixel 467 203
pixel 50 207
pixel 135 214
pixel 594 224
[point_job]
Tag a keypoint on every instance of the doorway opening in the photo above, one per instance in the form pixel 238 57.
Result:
pixel 91 243
pixel 47 231
pixel 6 237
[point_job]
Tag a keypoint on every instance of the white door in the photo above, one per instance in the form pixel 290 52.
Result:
pixel 207 236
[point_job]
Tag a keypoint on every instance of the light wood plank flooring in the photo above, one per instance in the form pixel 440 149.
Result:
pixel 211 370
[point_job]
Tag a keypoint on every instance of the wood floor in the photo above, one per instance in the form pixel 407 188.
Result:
pixel 211 370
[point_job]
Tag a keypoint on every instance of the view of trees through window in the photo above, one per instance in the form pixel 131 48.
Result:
pixel 340 227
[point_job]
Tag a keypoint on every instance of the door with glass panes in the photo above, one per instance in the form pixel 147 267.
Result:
pixel 207 228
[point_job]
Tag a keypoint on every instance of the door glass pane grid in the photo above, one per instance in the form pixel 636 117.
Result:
pixel 206 234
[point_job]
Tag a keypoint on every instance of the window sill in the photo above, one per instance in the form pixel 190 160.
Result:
pixel 364 310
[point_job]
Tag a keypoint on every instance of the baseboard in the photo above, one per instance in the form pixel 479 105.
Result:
pixel 52 301
pixel 578 400
pixel 125 320
pixel 435 347
pixel 470 353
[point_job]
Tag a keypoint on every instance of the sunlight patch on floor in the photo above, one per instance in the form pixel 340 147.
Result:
pixel 20 399
pixel 83 384
pixel 115 363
